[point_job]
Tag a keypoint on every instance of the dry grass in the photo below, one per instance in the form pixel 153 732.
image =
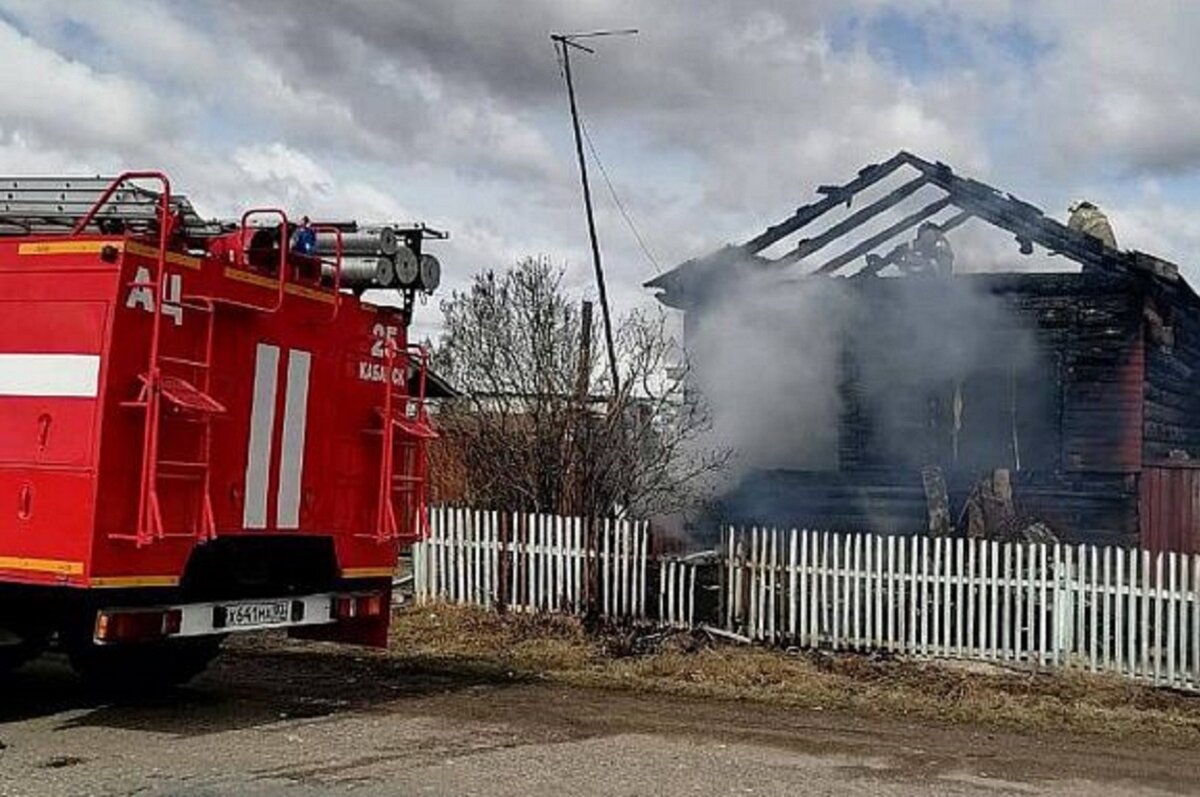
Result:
pixel 531 644
pixel 561 650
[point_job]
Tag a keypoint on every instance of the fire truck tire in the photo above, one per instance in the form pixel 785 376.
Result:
pixel 146 666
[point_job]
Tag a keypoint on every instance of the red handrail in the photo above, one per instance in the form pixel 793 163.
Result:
pixel 337 266
pixel 420 453
pixel 422 353
pixel 386 525
pixel 284 235
pixel 385 518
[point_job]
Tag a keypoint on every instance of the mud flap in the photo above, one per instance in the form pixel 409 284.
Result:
pixel 367 631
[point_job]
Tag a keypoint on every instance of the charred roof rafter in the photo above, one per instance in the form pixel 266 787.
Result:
pixel 809 245
pixel 972 198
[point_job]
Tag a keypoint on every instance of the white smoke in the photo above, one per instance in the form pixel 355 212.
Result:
pixel 767 362
pixel 770 355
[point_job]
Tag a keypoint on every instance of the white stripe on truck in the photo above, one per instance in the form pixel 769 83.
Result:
pixel 262 424
pixel 65 375
pixel 291 454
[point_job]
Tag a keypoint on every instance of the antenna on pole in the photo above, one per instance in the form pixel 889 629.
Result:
pixel 566 42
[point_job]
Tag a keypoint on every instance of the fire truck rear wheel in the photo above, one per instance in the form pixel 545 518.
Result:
pixel 145 666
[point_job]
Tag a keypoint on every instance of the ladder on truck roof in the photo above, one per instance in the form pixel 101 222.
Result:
pixel 55 205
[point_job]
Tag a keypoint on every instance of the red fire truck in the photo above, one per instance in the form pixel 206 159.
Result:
pixel 204 428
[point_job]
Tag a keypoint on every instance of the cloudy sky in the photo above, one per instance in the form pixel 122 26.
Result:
pixel 718 118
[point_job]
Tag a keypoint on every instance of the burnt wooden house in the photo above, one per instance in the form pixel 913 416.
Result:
pixel 1083 389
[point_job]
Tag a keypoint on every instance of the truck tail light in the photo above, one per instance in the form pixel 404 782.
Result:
pixel 349 607
pixel 370 605
pixel 343 607
pixel 137 625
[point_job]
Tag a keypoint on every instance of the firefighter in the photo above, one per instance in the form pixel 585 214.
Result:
pixel 1089 219
pixel 932 247
pixel 304 239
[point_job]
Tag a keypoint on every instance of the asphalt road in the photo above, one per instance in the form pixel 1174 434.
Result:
pixel 263 723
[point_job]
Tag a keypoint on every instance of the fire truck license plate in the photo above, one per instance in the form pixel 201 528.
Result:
pixel 248 615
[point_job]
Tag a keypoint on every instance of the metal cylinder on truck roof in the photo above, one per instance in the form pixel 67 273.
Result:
pixel 431 272
pixel 408 267
pixel 359 244
pixel 378 259
pixel 362 273
pixel 388 242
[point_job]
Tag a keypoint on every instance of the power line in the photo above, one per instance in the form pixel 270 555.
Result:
pixel 617 200
pixel 641 241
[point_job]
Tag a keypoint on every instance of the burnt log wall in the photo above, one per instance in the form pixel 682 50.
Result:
pixel 1110 450
pixel 1079 419
pixel 1170 481
pixel 1078 396
pixel 1172 391
pixel 1099 508
pixel 1090 324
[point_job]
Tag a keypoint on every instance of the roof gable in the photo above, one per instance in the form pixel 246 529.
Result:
pixel 968 198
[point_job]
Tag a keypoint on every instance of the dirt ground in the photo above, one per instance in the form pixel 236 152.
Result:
pixel 467 704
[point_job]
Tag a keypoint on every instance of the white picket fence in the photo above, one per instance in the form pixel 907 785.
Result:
pixel 1127 612
pixel 1102 609
pixel 530 562
pixel 676 593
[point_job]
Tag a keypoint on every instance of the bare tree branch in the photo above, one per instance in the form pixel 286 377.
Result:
pixel 529 438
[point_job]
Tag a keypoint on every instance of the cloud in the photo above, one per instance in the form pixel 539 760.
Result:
pixel 714 121
pixel 1117 91
pixel 279 162
pixel 50 97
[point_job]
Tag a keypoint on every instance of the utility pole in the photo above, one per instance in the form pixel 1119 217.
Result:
pixel 584 368
pixel 565 42
pixel 581 426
